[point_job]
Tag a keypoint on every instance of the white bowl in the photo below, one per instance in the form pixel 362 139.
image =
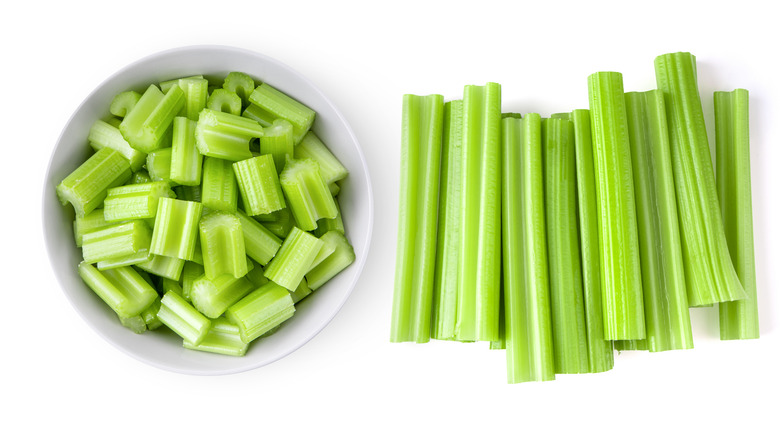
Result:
pixel 162 348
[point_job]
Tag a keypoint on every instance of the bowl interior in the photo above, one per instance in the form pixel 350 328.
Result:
pixel 162 348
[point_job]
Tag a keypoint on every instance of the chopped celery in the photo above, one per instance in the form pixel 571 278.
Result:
pixel 104 135
pixel 261 116
pixel 140 256
pixel 293 259
pixel 240 83
pixel 195 92
pixel 225 101
pixel 219 190
pixel 191 272
pixel 222 243
pixel 336 224
pixel 176 228
pixel 124 102
pixel 135 201
pixel 282 106
pixel 261 244
pixel 166 85
pixel 342 256
pixel 146 124
pixel 165 267
pixel 136 323
pixel 329 243
pixel 188 193
pixel 302 291
pixel 277 140
pixel 279 222
pixel 257 276
pixel 158 164
pixel 224 135
pixel 307 194
pixel 123 289
pixel 182 318
pixel 140 176
pixel 186 161
pixel 150 315
pixel 93 221
pixel 86 187
pixel 258 182
pixel 260 311
pixel 222 338
pixel 334 188
pixel 312 147
pixel 116 241
pixel 213 296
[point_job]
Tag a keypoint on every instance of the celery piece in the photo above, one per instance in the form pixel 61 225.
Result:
pixel 115 122
pixel 258 183
pixel 334 188
pixel 123 289
pixel 261 244
pixel 86 187
pixel 260 311
pixel 141 176
pixel 195 93
pixel 307 194
pixel 213 296
pixel 621 274
pixel 171 285
pixel 241 84
pixel 224 135
pixel 191 272
pixel 166 85
pixel 336 224
pixel 158 164
pixel 150 315
pixel 104 135
pixel 225 101
pixel 115 241
pixel 293 259
pixel 329 243
pixel 176 228
pixel 257 276
pixel 282 106
pixel 739 319
pixel 186 161
pixel 261 116
pixel 222 243
pixel 124 102
pixel 600 351
pixel 635 345
pixel 342 256
pixel 709 271
pixel 222 338
pixel 480 249
pixel 527 320
pixel 421 140
pixel 135 201
pixel 277 140
pixel 140 256
pixel 182 318
pixel 166 267
pixel 312 147
pixel 188 193
pixel 279 222
pixel 302 291
pixel 146 124
pixel 667 318
pixel 219 190
pixel 93 221
pixel 136 323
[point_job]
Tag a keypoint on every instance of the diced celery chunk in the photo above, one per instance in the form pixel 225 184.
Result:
pixel 124 102
pixel 186 160
pixel 123 289
pixel 222 338
pixel 312 147
pixel 307 194
pixel 158 164
pixel 222 243
pixel 240 83
pixel 278 141
pixel 294 259
pixel 115 241
pixel 176 228
pixel 225 101
pixel 93 221
pixel 146 124
pixel 282 106
pixel 135 201
pixel 261 311
pixel 213 296
pixel 104 135
pixel 166 267
pixel 342 256
pixel 182 318
pixel 259 185
pixel 261 244
pixel 224 135
pixel 86 187
pixel 220 190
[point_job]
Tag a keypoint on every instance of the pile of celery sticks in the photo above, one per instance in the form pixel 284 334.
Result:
pixel 209 207
pixel 562 239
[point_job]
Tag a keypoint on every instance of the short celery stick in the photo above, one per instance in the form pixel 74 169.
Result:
pixel 225 101
pixel 257 276
pixel 182 318
pixel 258 183
pixel 186 161
pixel 166 85
pixel 335 189
pixel 191 272
pixel 219 190
pixel 739 319
pixel 261 310
pixel 135 201
pixel 141 176
pixel 188 193
pixel 158 164
pixel 222 338
pixel 342 256
pixel 118 240
pixel 166 267
pixel 279 222
pixel 307 194
pixel 146 124
pixel 294 259
pixel 150 315
pixel 222 243
pixel 336 224
pixel 124 102
pixel 282 106
pixel 171 285
pixel 302 291
pixel 621 274
pixel 104 135
pixel 176 228
pixel 277 140
pixel 140 256
pixel 261 116
pixel 667 318
pixel 225 136
pixel 93 221
pixel 213 296
pixel 195 94
pixel 312 147
pixel 709 271
pixel 421 141
pixel 261 245
pixel 86 187
pixel 123 289
pixel 329 242
pixel 136 324
pixel 240 83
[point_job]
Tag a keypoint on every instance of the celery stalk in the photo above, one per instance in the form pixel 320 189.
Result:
pixel 123 289
pixel 104 135
pixel 182 318
pixel 176 228
pixel 225 136
pixel 258 183
pixel 282 106
pixel 146 124
pixel 307 194
pixel 278 141
pixel 293 259
pixel 158 164
pixel 261 116
pixel 342 256
pixel 241 84
pixel 150 315
pixel 195 92
pixel 279 222
pixel 124 102
pixel 140 256
pixel 116 241
pixel 135 201
pixel 261 244
pixel 191 272
pixel 136 324
pixel 260 311
pixel 222 243
pixel 225 101
pixel 93 221
pixel 223 337
pixel 302 291
pixel 165 267
pixel 166 85
pixel 186 161
pixel 312 147
pixel 220 190
pixel 213 296
pixel 336 224
pixel 85 188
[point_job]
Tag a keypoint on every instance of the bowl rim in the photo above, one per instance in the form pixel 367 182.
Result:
pixel 359 262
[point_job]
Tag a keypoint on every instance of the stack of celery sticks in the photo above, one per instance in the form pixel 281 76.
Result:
pixel 166 238
pixel 562 239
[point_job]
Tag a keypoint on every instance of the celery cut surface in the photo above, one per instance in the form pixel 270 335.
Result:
pixel 146 124
pixel 282 106
pixel 104 135
pixel 312 147
pixel 191 272
pixel 258 183
pixel 278 141
pixel 261 310
pixel 176 228
pixel 225 136
pixel 135 201
pixel 115 241
pixel 220 189
pixel 293 259
pixel 222 243
pixel 336 224
pixel 260 244
pixel 223 337
pixel 136 324
pixel 213 296
pixel 124 102
pixel 123 289
pixel 158 164
pixel 225 101
pixel 306 193
pixel 162 266
pixel 240 83
pixel 182 318
pixel 186 160
pixel 86 187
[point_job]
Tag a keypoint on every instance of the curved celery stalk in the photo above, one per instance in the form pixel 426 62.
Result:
pixel 258 182
pixel 124 102
pixel 182 318
pixel 282 106
pixel 116 241
pixel 260 311
pixel 307 194
pixel 135 201
pixel 176 228
pixel 342 256
pixel 86 187
pixel 104 135
pixel 224 135
pixel 213 296
pixel 709 272
pixel 146 124
pixel 240 83
pixel 738 320
pixel 261 244
pixel 222 338
pixel 123 289
pixel 293 259
pixel 312 147
pixel 225 101
pixel 277 140
pixel 186 160
pixel 222 243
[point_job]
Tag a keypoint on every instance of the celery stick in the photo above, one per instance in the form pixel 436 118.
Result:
pixel 195 92
pixel 225 101
pixel 329 243
pixel 213 296
pixel 146 124
pixel 140 256
pixel 141 176
pixel 103 135
pixel 307 194
pixel 277 140
pixel 135 323
pixel 171 285
pixel 421 138
pixel 166 85
pixel 115 241
pixel 263 117
pixel 86 187
pixel 261 244
pixel 124 102
pixel 635 345
pixel 621 274
pixel 241 84
pixel 222 243
pixel 293 259
pixel 222 338
pixel 115 122
pixel 166 267
pixel 667 319
pixel 93 221
pixel 280 222
pixel 158 164
pixel 123 289
pixel 282 106
pixel 312 147
pixel 257 276
pixel 224 135
pixel 334 188
pixel 709 272
pixel 336 224
pixel 191 272
pixel 186 161
pixel 342 256
pixel 188 193
pixel 302 291
pixel 258 183
pixel 738 320
pixel 260 311
pixel 176 228
pixel 135 201
pixel 182 318
pixel 150 315
pixel 220 190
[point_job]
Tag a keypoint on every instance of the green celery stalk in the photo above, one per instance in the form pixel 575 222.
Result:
pixel 123 289
pixel 261 116
pixel 282 106
pixel 739 319
pixel 293 259
pixel 195 92
pixel 334 188
pixel 135 201
pixel 104 135
pixel 709 272
pixel 150 315
pixel 312 147
pixel 123 103
pixel 136 324
pixel 329 242
pixel 222 338
pixel 258 183
pixel 86 187
pixel 176 228
pixel 213 296
pixel 635 345
pixel 225 136
pixel 182 318
pixel 116 241
pixel 257 276
pixel 336 224
pixel 277 140
pixel 146 124
pixel 279 222
pixel 307 194
pixel 141 176
pixel 240 83
pixel 302 291
pixel 186 161
pixel 261 245
pixel 260 311
pixel 166 85
pixel 225 101
pixel 188 193
pixel 140 256
pixel 158 164
pixel 222 243
pixel 191 272
pixel 220 190
pixel 93 221
pixel 165 267
pixel 342 256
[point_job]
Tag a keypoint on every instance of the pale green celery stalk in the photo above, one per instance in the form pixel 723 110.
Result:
pixel 277 140
pixel 176 228
pixel 166 85
pixel 342 256
pixel 191 272
pixel 224 135
pixel 116 241
pixel 104 135
pixel 621 274
pixel 166 267
pixel 293 259
pixel 213 296
pixel 302 291
pixel 257 276
pixel 282 106
pixel 123 103
pixel 279 222
pixel 306 193
pixel 171 285
pixel 135 201
pixel 123 289
pixel 158 164
pixel 527 319
pixel 240 83
pixel 225 101
pixel 709 271
pixel 188 193
pixel 312 147
pixel 141 176
pixel 570 341
pixel 222 338
pixel 667 318
pixel 258 183
pixel 219 190
pixel 182 318
pixel 421 143
pixel 500 342
pixel 329 243
pixel 260 244
pixel 93 221
pixel 86 187
pixel 186 161
pixel 480 219
pixel 334 188
pixel 600 351
pixel 136 324
pixel 261 116
pixel 336 224
pixel 222 243
pixel 260 311
pixel 150 315
pixel 445 278
pixel 738 320
pixel 635 345
pixel 146 124
pixel 140 256
pixel 195 92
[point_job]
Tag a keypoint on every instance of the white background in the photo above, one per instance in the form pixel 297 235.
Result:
pixel 58 375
